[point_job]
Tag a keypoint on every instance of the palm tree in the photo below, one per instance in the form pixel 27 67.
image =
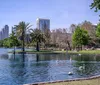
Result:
pixel 21 30
pixel 37 36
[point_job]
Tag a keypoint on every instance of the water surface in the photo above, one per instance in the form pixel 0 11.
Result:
pixel 31 68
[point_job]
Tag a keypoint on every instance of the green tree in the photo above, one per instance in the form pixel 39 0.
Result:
pixel 22 29
pixel 91 31
pixel 7 43
pixel 14 40
pixel 98 31
pixel 95 4
pixel 37 36
pixel 1 43
pixel 80 37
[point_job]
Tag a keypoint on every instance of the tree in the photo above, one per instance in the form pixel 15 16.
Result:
pixel 1 43
pixel 14 40
pixel 53 37
pixel 47 37
pixel 89 27
pixel 7 43
pixel 91 31
pixel 46 32
pixel 80 37
pixel 96 5
pixel 72 28
pixel 60 38
pixel 56 38
pixel 37 36
pixel 22 28
pixel 66 38
pixel 98 30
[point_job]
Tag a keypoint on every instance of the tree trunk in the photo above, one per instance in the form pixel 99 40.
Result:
pixel 81 47
pixel 78 48
pixel 23 41
pixel 14 50
pixel 69 45
pixel 23 56
pixel 37 57
pixel 37 46
pixel 23 45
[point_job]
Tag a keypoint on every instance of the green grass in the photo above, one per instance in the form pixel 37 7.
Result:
pixel 90 51
pixel 82 52
pixel 72 52
pixel 92 81
pixel 81 82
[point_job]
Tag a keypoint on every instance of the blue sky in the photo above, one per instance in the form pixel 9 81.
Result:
pixel 62 13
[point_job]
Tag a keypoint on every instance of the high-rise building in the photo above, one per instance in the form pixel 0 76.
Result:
pixel 0 35
pixel 4 33
pixel 43 24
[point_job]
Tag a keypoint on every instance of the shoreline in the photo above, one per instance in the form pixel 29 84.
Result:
pixel 78 81
pixel 57 52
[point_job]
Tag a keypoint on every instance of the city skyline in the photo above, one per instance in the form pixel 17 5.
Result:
pixel 62 13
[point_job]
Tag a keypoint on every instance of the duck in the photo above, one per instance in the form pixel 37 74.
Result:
pixel 79 54
pixel 70 73
pixel 81 68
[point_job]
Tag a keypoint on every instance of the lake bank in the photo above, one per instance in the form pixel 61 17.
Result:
pixel 71 52
pixel 95 80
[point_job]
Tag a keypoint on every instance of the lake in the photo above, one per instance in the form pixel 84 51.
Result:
pixel 31 68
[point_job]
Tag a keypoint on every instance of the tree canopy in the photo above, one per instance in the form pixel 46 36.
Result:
pixel 11 41
pixel 98 30
pixel 37 37
pixel 95 4
pixel 22 28
pixel 80 37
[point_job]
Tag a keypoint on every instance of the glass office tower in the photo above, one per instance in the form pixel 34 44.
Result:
pixel 43 24
pixel 4 33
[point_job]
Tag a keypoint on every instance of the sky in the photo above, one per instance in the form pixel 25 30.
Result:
pixel 62 13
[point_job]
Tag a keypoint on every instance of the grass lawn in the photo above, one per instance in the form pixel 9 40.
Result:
pixel 92 81
pixel 90 51
pixel 51 51
pixel 81 82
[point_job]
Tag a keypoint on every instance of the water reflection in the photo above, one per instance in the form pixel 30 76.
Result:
pixel 28 68
pixel 87 57
pixel 89 65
